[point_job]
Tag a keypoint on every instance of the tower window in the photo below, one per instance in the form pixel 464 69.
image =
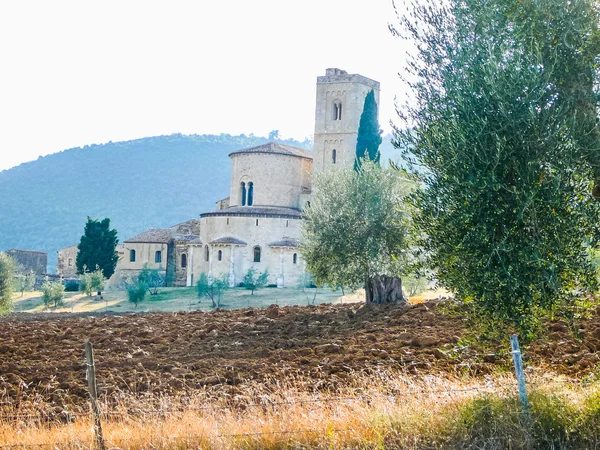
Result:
pixel 183 261
pixel 256 222
pixel 206 254
pixel 131 255
pixel 287 223
pixel 250 193
pixel 70 262
pixel 228 221
pixel 334 156
pixel 295 258
pixel 337 110
pixel 220 255
pixel 158 256
pixel 257 254
pixel 243 193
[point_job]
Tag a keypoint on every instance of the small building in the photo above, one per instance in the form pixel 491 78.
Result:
pixel 67 267
pixel 30 260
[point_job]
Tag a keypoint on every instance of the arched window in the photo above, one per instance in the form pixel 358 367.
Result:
pixel 295 258
pixel 256 222
pixel 250 193
pixel 131 255
pixel 257 254
pixel 158 256
pixel 287 223
pixel 70 262
pixel 220 255
pixel 334 155
pixel 183 261
pixel 206 254
pixel 243 193
pixel 337 110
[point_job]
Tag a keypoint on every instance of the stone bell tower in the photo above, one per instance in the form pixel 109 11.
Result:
pixel 340 102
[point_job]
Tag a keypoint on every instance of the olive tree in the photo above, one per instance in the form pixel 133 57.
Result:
pixel 503 128
pixel 355 230
pixel 6 283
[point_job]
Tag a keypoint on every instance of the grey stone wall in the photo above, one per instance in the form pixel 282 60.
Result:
pixel 30 260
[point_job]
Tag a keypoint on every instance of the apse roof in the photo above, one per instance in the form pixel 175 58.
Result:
pixel 278 149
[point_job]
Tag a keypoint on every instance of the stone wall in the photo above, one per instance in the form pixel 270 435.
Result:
pixel 278 179
pixel 67 267
pixel 30 260
pixel 246 229
pixel 350 91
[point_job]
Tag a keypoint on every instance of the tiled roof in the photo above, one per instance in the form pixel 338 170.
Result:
pixel 228 240
pixel 257 211
pixel 153 235
pixel 276 148
pixel 187 238
pixel 188 227
pixel 285 242
pixel 17 250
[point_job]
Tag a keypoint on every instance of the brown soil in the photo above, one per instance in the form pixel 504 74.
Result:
pixel 42 361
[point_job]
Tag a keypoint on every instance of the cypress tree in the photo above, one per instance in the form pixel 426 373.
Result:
pixel 98 248
pixel 369 134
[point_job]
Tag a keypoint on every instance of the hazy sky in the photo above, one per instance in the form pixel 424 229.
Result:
pixel 76 72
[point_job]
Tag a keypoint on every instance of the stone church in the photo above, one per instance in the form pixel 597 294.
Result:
pixel 259 224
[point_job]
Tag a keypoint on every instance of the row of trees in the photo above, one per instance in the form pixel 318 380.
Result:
pixel 502 140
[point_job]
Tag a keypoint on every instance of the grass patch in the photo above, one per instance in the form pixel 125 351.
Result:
pixel 259 418
pixel 179 299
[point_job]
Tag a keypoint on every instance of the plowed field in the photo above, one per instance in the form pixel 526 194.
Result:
pixel 42 361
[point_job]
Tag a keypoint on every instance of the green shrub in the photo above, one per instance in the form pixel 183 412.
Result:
pixel 254 279
pixel 91 282
pixel 52 293
pixel 6 283
pixel 136 292
pixel 72 286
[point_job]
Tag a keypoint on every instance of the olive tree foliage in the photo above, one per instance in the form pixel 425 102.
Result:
pixel 152 278
pixel 24 280
pixel 355 230
pixel 212 288
pixel 7 266
pixel 254 279
pixel 503 128
pixel 53 293
pixel 90 282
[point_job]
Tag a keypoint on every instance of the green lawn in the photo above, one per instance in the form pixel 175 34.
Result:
pixel 182 299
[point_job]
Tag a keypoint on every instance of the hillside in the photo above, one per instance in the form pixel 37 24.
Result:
pixel 149 182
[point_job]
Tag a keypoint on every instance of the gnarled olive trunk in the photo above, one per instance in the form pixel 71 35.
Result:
pixel 384 289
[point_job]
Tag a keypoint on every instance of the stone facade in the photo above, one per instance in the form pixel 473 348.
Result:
pixel 67 268
pixel 336 131
pixel 259 224
pixel 30 260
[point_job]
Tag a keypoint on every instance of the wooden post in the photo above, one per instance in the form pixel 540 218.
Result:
pixel 91 379
pixel 516 352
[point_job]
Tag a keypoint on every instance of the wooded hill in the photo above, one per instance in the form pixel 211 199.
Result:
pixel 149 182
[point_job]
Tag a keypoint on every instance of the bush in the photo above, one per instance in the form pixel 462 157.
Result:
pixel 212 288
pixel 6 283
pixel 152 279
pixel 91 282
pixel 72 286
pixel 136 292
pixel 254 280
pixel 52 293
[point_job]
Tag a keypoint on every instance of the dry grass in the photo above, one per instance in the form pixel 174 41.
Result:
pixel 381 411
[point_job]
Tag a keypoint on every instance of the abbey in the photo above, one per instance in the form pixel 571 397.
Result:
pixel 259 224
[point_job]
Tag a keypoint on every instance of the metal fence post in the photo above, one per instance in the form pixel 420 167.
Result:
pixel 91 379
pixel 516 353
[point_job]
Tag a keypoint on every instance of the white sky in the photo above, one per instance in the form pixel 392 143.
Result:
pixel 78 72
